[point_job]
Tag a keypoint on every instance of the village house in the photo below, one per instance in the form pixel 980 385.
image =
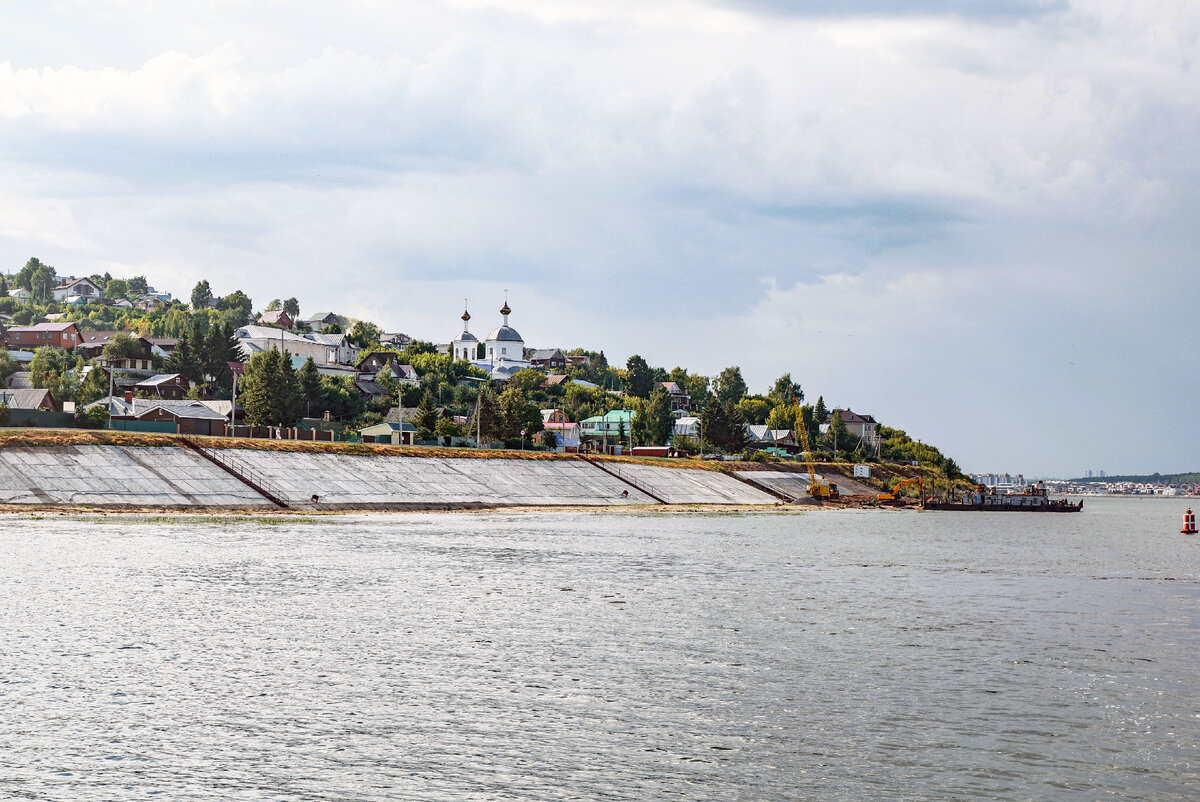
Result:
pixel 258 339
pixel 31 398
pixel 567 433
pixel 72 289
pixel 677 395
pixel 389 432
pixel 56 335
pixel 189 417
pixel 276 317
pixel 370 365
pixel 863 427
pixel 169 386
pixel 93 342
pixel 546 358
pixel 149 302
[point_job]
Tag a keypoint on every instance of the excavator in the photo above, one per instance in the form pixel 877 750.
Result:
pixel 817 488
pixel 895 491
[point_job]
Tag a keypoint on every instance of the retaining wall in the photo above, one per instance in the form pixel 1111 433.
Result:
pixel 119 476
pixel 174 477
pixel 384 482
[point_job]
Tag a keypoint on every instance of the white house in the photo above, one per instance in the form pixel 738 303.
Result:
pixel 73 288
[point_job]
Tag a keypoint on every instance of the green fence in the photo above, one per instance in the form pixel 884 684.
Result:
pixel 161 427
pixel 41 418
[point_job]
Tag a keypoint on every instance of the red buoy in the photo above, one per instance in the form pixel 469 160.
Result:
pixel 1189 523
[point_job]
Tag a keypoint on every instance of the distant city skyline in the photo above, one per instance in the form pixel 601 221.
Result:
pixel 975 222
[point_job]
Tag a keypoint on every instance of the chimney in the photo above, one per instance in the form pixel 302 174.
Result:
pixel 129 397
pixel 327 417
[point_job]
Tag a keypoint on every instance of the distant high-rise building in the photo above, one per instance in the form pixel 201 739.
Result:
pixel 1103 474
pixel 1088 474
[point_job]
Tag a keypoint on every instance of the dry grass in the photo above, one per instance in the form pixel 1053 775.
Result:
pixel 49 438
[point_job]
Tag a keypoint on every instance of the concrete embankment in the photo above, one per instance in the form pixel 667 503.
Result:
pixel 169 476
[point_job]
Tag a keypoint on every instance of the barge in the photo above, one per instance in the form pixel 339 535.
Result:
pixel 1032 499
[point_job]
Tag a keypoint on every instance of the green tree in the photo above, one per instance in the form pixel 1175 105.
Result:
pixel 116 289
pixel 270 390
pixel 427 417
pixel 56 370
pixel 639 379
pixel 138 285
pixel 839 435
pixel 653 422
pixel 821 412
pixel 43 282
pixel 528 381
pixel 220 348
pixel 730 386
pixel 25 274
pixel 184 360
pixel 240 307
pixel 783 416
pixel 310 384
pixel 3 286
pixel 201 295
pixel 365 335
pixel 448 428
pixel 549 439
pixel 121 346
pixel 290 395
pixel 275 305
pixel 785 391
pixel 292 307
pixel 698 391
pixel 754 410
pixel 486 422
pixel 518 414
pixel 93 387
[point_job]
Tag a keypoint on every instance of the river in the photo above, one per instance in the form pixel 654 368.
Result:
pixel 601 655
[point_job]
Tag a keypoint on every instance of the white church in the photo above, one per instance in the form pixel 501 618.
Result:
pixel 503 352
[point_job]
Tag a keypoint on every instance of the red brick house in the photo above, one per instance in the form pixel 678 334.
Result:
pixel 56 335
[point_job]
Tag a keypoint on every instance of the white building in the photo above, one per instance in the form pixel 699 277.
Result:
pixel 324 349
pixel 504 344
pixel 465 346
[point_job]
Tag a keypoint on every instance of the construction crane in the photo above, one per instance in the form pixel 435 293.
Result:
pixel 895 491
pixel 817 488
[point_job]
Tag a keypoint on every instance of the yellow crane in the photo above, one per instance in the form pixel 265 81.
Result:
pixel 817 488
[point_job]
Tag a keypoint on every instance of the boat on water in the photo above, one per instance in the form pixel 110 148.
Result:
pixel 985 499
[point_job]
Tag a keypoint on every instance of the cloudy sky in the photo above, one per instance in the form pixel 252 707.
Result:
pixel 977 220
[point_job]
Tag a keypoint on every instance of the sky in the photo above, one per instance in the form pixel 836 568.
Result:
pixel 975 220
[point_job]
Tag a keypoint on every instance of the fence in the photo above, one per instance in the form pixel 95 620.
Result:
pixel 40 417
pixel 161 427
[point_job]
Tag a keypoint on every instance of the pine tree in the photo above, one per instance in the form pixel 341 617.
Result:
pixel 257 395
pixel 290 397
pixel 310 384
pixel 486 423
pixel 184 359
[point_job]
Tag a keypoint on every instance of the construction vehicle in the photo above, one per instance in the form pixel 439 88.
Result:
pixel 817 488
pixel 894 493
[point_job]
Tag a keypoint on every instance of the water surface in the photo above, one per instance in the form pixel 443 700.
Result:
pixel 598 655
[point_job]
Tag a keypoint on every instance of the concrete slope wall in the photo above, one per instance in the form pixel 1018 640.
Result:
pixel 690 486
pixel 342 480
pixel 795 485
pixel 170 477
pixel 116 476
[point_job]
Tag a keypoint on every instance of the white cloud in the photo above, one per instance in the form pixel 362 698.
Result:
pixel 635 171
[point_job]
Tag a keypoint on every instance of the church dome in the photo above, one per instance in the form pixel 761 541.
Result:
pixel 465 337
pixel 505 334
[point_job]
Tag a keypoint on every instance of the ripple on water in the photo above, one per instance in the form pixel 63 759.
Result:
pixel 582 655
